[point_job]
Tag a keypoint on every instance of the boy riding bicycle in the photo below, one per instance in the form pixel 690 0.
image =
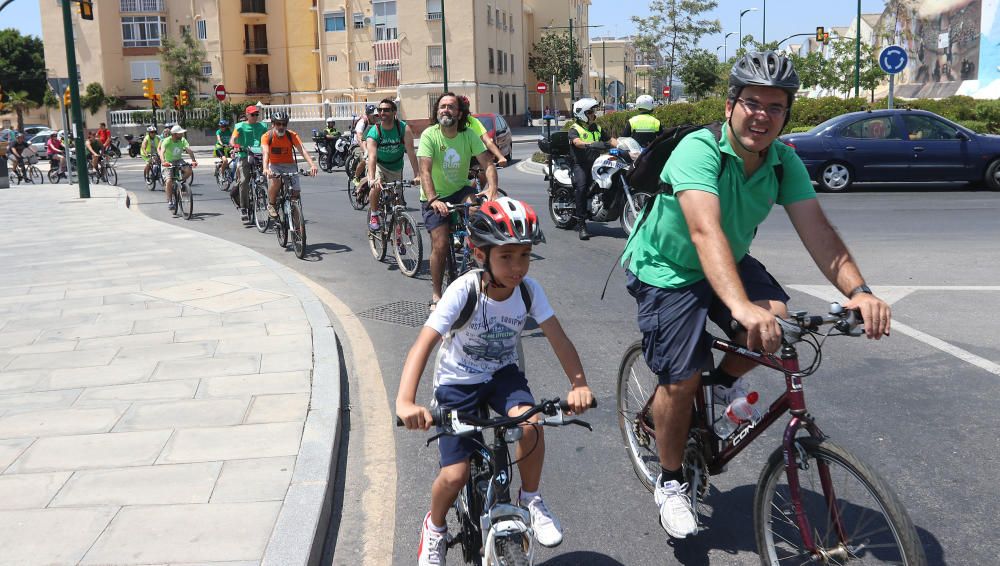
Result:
pixel 478 365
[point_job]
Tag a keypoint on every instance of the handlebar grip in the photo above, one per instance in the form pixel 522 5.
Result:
pixel 565 406
pixel 437 416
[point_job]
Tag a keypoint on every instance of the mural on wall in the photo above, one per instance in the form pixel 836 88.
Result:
pixel 988 85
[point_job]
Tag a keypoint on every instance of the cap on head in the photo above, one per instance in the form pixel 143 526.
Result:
pixel 251 110
pixel 151 129
pixel 370 109
pixel 177 129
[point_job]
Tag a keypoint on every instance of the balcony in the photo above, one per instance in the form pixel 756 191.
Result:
pixel 258 87
pixel 434 16
pixel 252 8
pixel 255 49
pixel 133 6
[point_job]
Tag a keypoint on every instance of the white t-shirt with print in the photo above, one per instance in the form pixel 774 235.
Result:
pixel 488 341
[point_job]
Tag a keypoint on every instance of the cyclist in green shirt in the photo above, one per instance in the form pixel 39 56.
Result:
pixel 689 260
pixel 444 155
pixel 388 141
pixel 222 137
pixel 150 145
pixel 246 136
pixel 172 152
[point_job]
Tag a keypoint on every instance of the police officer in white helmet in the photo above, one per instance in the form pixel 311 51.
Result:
pixel 587 140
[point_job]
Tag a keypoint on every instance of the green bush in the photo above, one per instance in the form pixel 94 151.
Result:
pixel 799 129
pixel 539 157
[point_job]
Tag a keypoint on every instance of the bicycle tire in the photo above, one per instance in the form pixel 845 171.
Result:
pixel 635 384
pixel 220 176
pixel 111 175
pixel 187 198
pixel 628 219
pixel 261 219
pixel 357 196
pixel 35 175
pixel 512 550
pixel 378 242
pixel 407 245
pixel 281 226
pixel 53 176
pixel 298 229
pixel 895 542
pixel 179 199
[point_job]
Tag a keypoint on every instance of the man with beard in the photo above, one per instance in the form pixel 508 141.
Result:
pixel 446 150
pixel 278 147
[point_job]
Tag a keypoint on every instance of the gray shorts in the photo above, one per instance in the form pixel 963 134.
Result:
pixel 288 168
pixel 433 220
pixel 672 321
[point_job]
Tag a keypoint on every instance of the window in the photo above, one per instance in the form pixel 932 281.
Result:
pixel 501 60
pixel 363 66
pixel 144 70
pixel 143 31
pixel 206 69
pixel 435 57
pixel 127 6
pixel 359 20
pixel 497 11
pixel 434 9
pixel 871 129
pixel 202 27
pixel 331 58
pixel 511 69
pixel 185 30
pixel 513 99
pixel 335 21
pixel 489 14
pixel 384 20
pixel 505 20
pixel 491 60
pixel 926 128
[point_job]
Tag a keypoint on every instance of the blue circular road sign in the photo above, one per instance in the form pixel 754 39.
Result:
pixel 893 59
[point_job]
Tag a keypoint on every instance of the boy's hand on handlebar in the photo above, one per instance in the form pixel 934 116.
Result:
pixel 414 416
pixel 579 399
pixel 763 332
pixel 875 312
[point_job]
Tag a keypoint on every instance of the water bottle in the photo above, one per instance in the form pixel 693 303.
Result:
pixel 739 411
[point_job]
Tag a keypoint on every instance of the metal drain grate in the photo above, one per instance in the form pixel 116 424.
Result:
pixel 403 313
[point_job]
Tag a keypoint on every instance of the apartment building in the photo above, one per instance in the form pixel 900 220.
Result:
pixel 613 65
pixel 553 16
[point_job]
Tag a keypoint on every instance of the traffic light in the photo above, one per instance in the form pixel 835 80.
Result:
pixel 183 97
pixel 820 34
pixel 177 102
pixel 157 101
pixel 148 90
pixel 66 98
pixel 86 9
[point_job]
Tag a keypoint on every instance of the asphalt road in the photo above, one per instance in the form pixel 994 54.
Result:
pixel 920 406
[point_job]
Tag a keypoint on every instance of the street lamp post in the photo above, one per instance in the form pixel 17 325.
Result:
pixel 743 13
pixel 725 46
pixel 572 51
pixel 444 50
pixel 763 23
pixel 857 54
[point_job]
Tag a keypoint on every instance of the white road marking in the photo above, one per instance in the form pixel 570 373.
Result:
pixel 530 167
pixel 892 294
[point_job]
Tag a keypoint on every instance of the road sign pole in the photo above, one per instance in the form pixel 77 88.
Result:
pixel 892 85
pixel 74 93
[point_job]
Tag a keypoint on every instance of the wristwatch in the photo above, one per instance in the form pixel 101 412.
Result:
pixel 860 289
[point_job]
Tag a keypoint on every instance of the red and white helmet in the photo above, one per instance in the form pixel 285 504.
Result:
pixel 504 221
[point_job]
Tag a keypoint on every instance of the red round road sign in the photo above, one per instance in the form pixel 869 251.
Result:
pixel 666 91
pixel 542 88
pixel 220 92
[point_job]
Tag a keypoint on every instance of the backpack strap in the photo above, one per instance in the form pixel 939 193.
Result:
pixel 469 308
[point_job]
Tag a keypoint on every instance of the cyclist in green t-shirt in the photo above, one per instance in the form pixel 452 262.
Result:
pixel 388 141
pixel 222 136
pixel 689 260
pixel 172 150
pixel 444 155
pixel 149 146
pixel 246 136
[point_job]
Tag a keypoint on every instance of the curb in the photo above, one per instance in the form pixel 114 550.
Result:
pixel 300 530
pixel 531 168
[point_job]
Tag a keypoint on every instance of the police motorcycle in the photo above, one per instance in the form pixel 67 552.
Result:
pixel 331 152
pixel 134 145
pixel 609 197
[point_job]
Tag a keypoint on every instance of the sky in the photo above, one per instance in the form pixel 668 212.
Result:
pixel 784 17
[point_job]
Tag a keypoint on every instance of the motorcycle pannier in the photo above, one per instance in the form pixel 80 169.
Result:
pixel 556 144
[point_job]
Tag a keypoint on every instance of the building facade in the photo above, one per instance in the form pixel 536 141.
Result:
pixel 553 16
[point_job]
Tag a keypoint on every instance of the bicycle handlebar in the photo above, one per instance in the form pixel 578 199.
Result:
pixel 466 423
pixel 847 321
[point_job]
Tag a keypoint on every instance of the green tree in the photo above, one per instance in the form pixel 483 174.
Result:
pixel 700 74
pixel 22 64
pixel 673 29
pixel 810 68
pixel 93 98
pixel 552 56
pixel 21 102
pixel 182 59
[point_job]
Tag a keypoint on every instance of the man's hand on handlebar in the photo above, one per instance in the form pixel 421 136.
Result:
pixel 875 312
pixel 763 332
pixel 440 207
pixel 414 416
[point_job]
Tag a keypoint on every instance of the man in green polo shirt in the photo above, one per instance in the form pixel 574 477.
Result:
pixel 247 136
pixel 689 260
pixel 388 141
pixel 445 151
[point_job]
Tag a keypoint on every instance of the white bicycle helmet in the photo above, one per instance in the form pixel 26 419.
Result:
pixel 644 102
pixel 580 108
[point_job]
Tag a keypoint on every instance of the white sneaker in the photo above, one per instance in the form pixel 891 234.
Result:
pixel 676 516
pixel 433 545
pixel 724 395
pixel 548 531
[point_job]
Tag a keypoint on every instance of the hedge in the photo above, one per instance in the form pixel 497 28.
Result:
pixel 982 116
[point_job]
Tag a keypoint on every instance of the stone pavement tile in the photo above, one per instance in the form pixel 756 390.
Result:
pixel 177 389
pixel 100 330
pixel 132 340
pixel 59 422
pixel 27 298
pixel 144 485
pixel 191 291
pixel 79 359
pixel 147 314
pixel 270 344
pixel 11 448
pixel 161 534
pixel 240 331
pixel 115 373
pixel 254 384
pixel 234 364
pixel 18 338
pixel 284 328
pixel 260 479
pixel 278 315
pixel 48 319
pixel 128 298
pixel 39 400
pixel 51 536
pixel 286 361
pixel 70 306
pixel 178 323
pixel 44 348
pixel 285 303
pixel 232 443
pixel 103 291
pixel 289 407
pixel 24 380
pixel 30 491
pixel 235 300
pixel 167 351
pixel 193 413
pixel 91 451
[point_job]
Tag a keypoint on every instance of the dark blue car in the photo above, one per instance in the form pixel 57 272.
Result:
pixel 896 146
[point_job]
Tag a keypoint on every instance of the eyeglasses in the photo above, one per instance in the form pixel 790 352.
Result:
pixel 772 110
pixel 255 114
pixel 386 109
pixel 279 124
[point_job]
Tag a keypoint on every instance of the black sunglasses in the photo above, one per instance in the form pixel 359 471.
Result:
pixel 255 114
pixel 386 109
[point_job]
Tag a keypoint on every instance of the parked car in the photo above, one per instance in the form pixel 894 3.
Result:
pixel 499 132
pixel 897 145
pixel 32 129
pixel 38 143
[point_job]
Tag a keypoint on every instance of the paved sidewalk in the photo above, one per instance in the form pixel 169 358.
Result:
pixel 165 396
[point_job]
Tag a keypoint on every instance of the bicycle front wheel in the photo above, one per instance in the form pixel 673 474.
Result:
pixel 53 176
pixel 187 201
pixel 636 384
pixel 35 175
pixel 298 229
pixel 839 494
pixel 110 175
pixel 358 195
pixel 407 244
pixel 260 216
pixel 377 242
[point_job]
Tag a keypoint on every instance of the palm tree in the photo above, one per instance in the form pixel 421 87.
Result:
pixel 19 101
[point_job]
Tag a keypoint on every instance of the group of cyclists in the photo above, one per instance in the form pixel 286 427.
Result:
pixel 97 145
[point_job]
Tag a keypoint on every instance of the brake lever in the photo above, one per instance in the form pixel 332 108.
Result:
pixel 578 422
pixel 433 438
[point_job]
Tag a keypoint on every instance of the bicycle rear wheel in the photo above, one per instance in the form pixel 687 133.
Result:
pixel 407 245
pixel 357 195
pixel 53 176
pixel 298 229
pixel 110 175
pixel 260 216
pixel 834 485
pixel 513 550
pixel 636 384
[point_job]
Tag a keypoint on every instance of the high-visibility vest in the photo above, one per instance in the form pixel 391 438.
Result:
pixel 586 135
pixel 644 123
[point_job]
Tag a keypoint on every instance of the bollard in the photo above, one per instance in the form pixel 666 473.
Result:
pixel 4 175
